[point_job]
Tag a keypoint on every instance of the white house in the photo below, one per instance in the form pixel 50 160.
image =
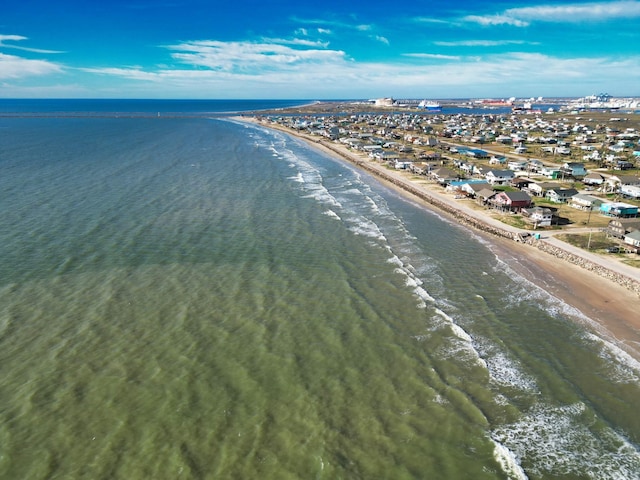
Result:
pixel 585 202
pixel 632 191
pixel 633 238
pixel 499 177
pixel 539 216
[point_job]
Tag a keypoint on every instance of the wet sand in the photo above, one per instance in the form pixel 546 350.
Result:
pixel 613 309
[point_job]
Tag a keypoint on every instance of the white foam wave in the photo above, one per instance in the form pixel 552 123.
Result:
pixel 508 462
pixel 624 368
pixel 504 371
pixel 412 281
pixel 367 228
pixel 556 441
pixel 458 331
pixel 297 178
pixel 331 213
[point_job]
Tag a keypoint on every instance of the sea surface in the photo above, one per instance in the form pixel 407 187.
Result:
pixel 201 298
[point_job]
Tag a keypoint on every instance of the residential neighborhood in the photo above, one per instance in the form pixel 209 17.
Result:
pixel 544 171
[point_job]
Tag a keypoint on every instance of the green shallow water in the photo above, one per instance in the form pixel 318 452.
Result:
pixel 198 299
pixel 166 370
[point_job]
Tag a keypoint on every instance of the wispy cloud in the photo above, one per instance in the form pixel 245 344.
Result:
pixel 296 41
pixel 435 56
pixel 568 13
pixel 277 69
pixel 483 43
pixel 438 21
pixel 326 23
pixel 17 38
pixel 489 20
pixel 250 57
pixel 577 12
pixel 13 67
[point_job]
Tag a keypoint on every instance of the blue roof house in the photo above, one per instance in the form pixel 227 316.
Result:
pixel 618 209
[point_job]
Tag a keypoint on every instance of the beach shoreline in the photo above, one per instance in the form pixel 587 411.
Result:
pixel 608 302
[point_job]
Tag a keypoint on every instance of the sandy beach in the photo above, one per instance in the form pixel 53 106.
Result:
pixel 612 306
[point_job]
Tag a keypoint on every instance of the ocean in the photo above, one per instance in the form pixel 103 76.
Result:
pixel 197 297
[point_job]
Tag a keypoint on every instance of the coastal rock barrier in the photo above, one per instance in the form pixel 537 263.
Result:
pixel 478 224
pixel 600 270
pixel 463 218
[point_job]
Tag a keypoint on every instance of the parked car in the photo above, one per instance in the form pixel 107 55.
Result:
pixel 612 249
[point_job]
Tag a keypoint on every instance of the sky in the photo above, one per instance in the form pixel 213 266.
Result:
pixel 329 49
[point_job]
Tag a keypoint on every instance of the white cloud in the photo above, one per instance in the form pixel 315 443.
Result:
pixel 568 13
pixel 489 20
pixel 430 20
pixel 382 39
pixel 578 12
pixel 249 57
pixel 12 67
pixel 483 43
pixel 247 69
pixel 17 38
pixel 435 56
pixel 296 41
pixel 12 38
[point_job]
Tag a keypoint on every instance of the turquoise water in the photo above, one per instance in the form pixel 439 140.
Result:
pixel 194 298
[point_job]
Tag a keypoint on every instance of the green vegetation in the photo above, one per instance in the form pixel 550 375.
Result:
pixel 587 241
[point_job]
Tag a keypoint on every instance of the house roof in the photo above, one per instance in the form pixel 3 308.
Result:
pixel 521 181
pixel 625 179
pixel 587 198
pixel 594 175
pixel 537 210
pixel 444 172
pixel 546 185
pixel 634 235
pixel 501 173
pixel 517 196
pixel 486 193
pixel 564 192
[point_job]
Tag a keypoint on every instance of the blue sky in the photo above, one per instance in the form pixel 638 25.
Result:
pixel 318 50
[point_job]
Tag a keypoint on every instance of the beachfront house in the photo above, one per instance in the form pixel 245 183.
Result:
pixel 619 227
pixel 614 182
pixel 498 160
pixel 476 153
pixel 633 238
pixel 511 201
pixel 401 164
pixel 593 178
pixel 574 169
pixel 443 175
pixel 539 189
pixel 619 209
pixel 560 195
pixel 551 172
pixel 472 187
pixel 517 165
pixel 582 201
pixel 499 177
pixel 538 216
pixel 484 196
pixel 630 191
pixel 521 183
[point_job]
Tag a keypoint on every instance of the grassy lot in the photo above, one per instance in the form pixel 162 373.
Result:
pixel 596 241
pixel 574 216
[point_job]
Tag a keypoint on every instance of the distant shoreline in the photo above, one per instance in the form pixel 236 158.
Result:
pixel 608 297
